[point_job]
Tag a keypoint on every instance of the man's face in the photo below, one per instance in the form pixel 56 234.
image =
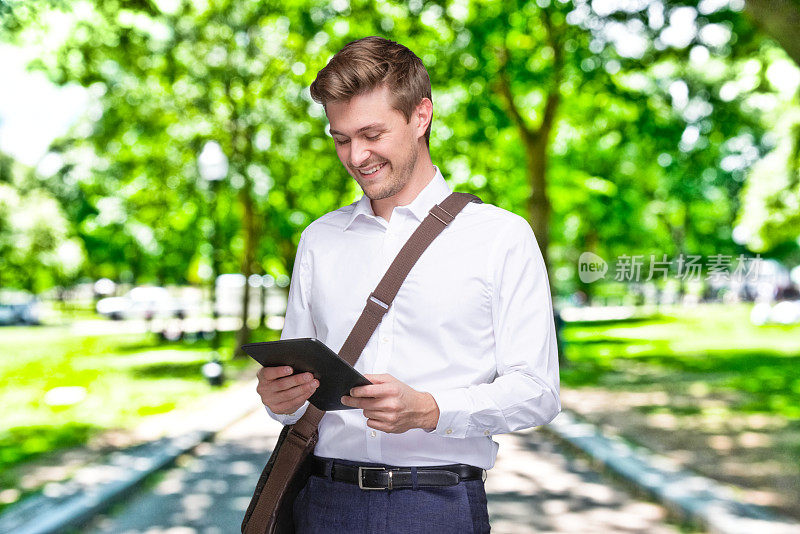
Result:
pixel 369 134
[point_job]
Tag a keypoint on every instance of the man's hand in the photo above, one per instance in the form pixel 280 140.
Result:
pixel 392 406
pixel 282 393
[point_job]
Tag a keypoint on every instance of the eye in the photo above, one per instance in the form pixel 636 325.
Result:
pixel 373 138
pixel 338 142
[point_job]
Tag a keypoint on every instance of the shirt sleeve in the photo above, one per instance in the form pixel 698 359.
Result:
pixel 298 321
pixel 525 391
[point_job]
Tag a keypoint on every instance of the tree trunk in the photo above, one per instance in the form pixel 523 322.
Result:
pixel 539 207
pixel 536 140
pixel 248 261
pixel 780 19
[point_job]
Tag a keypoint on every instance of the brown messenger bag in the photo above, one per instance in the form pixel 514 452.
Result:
pixel 287 470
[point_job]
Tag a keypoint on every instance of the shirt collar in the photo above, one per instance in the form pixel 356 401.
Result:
pixel 433 193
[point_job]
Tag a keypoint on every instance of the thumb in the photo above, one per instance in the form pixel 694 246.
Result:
pixel 379 379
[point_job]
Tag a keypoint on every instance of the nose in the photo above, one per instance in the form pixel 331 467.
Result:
pixel 359 154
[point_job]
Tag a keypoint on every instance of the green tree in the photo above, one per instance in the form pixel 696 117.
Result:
pixel 165 82
pixel 602 145
pixel 37 249
pixel 771 217
pixel 539 108
pixel 779 19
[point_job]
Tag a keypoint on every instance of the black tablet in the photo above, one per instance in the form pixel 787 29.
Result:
pixel 309 355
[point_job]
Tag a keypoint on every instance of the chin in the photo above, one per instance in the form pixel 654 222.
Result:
pixel 372 185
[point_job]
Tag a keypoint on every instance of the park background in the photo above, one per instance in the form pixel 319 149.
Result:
pixel 162 143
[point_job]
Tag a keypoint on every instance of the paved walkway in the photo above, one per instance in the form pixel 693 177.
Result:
pixel 534 487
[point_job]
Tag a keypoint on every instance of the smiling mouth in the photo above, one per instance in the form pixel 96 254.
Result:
pixel 373 170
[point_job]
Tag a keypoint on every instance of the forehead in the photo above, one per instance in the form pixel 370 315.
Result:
pixel 374 107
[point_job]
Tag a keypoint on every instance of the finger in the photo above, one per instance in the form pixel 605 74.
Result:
pixel 380 378
pixel 282 384
pixel 292 404
pixel 361 403
pixel 350 401
pixel 272 373
pixel 301 391
pixel 381 416
pixel 379 425
pixel 375 390
pixel 366 403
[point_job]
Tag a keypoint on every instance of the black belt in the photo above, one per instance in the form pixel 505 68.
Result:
pixel 386 478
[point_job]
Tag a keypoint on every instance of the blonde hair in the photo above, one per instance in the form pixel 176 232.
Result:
pixel 371 62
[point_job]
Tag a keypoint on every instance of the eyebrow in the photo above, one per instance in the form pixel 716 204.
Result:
pixel 379 125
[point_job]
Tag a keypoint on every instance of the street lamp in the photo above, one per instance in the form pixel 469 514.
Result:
pixel 213 166
pixel 212 162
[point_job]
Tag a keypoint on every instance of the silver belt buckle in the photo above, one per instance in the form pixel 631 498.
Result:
pixel 361 477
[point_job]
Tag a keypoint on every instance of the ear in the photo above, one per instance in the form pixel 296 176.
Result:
pixel 423 115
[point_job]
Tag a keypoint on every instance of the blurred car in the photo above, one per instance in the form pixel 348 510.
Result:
pixel 785 312
pixel 144 302
pixel 19 308
pixel 263 289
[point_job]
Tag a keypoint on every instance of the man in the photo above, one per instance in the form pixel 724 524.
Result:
pixel 466 350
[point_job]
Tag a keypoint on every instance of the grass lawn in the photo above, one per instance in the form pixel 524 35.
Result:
pixel 117 380
pixel 702 385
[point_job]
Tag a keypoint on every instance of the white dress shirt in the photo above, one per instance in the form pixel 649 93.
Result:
pixel 472 325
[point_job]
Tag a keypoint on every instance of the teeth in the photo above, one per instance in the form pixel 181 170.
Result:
pixel 374 169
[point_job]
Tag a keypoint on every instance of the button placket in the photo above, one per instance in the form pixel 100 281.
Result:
pixel 370 435
pixel 385 335
pixel 373 443
pixel 390 247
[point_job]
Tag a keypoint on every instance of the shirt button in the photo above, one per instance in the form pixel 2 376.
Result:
pixel 372 433
pixel 449 431
pixel 385 339
pixel 485 432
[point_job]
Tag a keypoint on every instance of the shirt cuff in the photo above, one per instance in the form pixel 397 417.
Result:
pixel 290 418
pixel 454 405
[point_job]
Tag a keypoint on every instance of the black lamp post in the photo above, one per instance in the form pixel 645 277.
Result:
pixel 213 166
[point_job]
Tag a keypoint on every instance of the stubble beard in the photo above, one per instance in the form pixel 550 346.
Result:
pixel 395 180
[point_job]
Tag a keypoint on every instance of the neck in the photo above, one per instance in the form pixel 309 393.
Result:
pixel 422 175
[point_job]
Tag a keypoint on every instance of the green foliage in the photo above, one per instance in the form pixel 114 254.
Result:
pixel 125 378
pixel 37 248
pixel 164 84
pixel 700 385
pixel 638 160
pixel 751 366
pixel 19 444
